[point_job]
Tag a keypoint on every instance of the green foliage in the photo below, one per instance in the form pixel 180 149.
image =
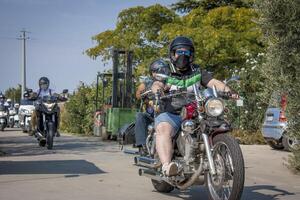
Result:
pixel 77 115
pixel 137 29
pixel 185 6
pixel 13 93
pixel 250 89
pixel 247 137
pixel 280 22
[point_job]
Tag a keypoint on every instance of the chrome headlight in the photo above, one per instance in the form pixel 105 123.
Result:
pixel 49 106
pixel 2 114
pixel 214 107
pixel 24 111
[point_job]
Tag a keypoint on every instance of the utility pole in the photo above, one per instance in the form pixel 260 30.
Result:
pixel 23 66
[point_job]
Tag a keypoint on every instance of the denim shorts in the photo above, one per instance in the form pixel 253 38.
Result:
pixel 172 119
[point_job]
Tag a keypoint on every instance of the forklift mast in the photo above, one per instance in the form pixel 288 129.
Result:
pixel 122 93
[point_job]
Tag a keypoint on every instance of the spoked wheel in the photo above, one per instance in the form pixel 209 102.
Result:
pixel 228 183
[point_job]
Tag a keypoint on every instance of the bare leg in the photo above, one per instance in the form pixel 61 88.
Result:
pixel 164 145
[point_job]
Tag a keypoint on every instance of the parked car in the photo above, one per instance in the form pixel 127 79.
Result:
pixel 275 124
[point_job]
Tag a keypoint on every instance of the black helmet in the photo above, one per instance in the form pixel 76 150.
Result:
pixel 44 81
pixel 160 66
pixel 181 42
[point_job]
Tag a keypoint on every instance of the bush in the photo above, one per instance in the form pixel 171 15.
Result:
pixel 77 113
pixel 246 137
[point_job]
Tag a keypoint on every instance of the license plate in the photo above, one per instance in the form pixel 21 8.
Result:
pixel 269 118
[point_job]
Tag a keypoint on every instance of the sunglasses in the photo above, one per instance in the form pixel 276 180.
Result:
pixel 183 52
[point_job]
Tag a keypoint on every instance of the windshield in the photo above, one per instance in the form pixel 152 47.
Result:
pixel 26 102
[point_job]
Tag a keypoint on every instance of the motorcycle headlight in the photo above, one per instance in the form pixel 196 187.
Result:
pixel 49 106
pixel 214 107
pixel 2 114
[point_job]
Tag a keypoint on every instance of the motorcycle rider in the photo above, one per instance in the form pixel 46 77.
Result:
pixel 8 103
pixel 167 124
pixel 43 90
pixel 144 118
pixel 2 99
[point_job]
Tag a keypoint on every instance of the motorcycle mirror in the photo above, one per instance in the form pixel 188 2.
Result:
pixel 29 90
pixel 233 78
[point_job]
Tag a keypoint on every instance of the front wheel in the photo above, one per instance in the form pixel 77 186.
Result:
pixel 228 183
pixel 50 135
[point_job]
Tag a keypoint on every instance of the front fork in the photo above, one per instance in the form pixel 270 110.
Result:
pixel 208 151
pixel 45 121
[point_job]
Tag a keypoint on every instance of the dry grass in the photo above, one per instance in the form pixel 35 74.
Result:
pixel 246 137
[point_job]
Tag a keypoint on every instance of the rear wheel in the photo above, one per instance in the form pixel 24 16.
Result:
pixel 289 143
pixel 50 135
pixel 228 183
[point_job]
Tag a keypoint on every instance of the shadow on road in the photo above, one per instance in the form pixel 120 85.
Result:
pixel 28 146
pixel 257 192
pixel 49 167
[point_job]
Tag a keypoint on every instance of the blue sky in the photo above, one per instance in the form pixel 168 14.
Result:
pixel 60 32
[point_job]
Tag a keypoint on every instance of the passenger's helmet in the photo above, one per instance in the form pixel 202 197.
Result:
pixel 8 101
pixel 44 83
pixel 181 42
pixel 160 66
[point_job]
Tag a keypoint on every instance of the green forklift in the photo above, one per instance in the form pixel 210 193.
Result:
pixel 119 109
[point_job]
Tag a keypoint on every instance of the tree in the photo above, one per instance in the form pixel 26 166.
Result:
pixel 137 29
pixel 185 6
pixel 280 21
pixel 14 93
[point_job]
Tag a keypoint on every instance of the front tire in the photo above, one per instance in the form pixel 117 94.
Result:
pixel 228 184
pixel 50 135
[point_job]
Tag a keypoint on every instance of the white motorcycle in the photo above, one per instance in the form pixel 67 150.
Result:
pixel 12 112
pixel 3 117
pixel 25 111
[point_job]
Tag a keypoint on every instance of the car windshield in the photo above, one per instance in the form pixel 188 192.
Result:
pixel 26 102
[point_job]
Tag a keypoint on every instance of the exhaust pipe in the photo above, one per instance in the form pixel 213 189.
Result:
pixel 145 162
pixel 129 151
pixel 150 174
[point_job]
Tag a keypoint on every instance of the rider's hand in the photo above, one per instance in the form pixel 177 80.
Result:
pixel 234 95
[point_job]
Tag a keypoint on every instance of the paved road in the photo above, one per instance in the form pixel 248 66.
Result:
pixel 83 168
